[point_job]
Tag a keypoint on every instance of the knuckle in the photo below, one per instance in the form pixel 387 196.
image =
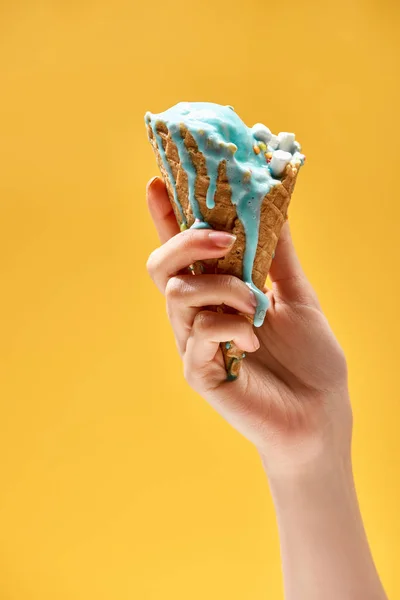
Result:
pixel 233 288
pixel 204 321
pixel 229 283
pixel 188 238
pixel 175 289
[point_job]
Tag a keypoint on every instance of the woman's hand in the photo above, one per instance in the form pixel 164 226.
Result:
pixel 290 398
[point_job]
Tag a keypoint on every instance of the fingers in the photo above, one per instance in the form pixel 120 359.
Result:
pixel 184 249
pixel 288 278
pixel 186 294
pixel 161 210
pixel 208 331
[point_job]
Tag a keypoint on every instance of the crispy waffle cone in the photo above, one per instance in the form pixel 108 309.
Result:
pixel 223 217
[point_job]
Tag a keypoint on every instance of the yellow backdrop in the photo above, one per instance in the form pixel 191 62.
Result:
pixel 117 481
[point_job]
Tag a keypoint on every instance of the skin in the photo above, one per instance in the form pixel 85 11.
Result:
pixel 291 400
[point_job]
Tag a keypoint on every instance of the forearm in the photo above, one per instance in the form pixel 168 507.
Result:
pixel 325 552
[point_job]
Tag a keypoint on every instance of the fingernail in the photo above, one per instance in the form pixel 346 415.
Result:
pixel 151 182
pixel 256 342
pixel 253 299
pixel 222 239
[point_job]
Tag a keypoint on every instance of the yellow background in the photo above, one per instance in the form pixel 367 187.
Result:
pixel 117 481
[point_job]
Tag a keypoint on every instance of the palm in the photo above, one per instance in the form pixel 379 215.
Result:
pixel 282 386
pixel 297 347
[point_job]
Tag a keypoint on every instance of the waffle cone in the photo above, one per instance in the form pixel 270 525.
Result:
pixel 223 217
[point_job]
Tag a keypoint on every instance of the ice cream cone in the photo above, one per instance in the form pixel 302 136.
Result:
pixel 223 216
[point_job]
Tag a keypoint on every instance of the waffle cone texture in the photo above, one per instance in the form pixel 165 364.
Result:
pixel 223 217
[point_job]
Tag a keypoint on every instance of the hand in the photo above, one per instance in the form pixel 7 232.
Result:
pixel 290 398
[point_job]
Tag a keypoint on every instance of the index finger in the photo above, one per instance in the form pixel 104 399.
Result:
pixel 161 210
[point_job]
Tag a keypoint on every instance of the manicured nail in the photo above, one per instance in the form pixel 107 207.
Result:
pixel 256 342
pixel 221 239
pixel 151 182
pixel 253 299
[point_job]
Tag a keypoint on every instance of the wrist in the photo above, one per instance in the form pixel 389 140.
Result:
pixel 314 450
pixel 319 482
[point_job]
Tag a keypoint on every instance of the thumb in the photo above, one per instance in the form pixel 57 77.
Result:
pixel 289 281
